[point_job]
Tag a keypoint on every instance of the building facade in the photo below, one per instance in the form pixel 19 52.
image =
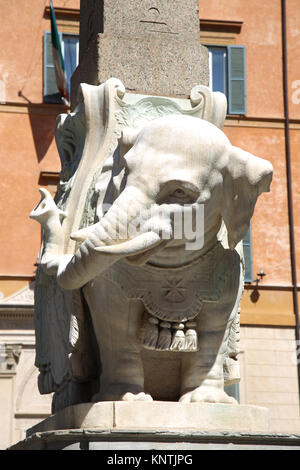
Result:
pixel 245 41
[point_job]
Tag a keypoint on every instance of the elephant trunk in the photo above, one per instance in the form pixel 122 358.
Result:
pixel 50 217
pixel 120 233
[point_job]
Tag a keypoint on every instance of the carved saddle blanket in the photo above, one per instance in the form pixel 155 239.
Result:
pixel 173 297
pixel 176 294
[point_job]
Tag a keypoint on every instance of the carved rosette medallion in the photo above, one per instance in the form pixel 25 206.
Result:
pixel 174 290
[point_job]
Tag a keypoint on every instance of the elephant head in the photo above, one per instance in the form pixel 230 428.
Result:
pixel 173 161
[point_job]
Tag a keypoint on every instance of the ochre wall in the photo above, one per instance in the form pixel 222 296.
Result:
pixel 26 135
pixel 20 167
pixel 21 60
pixel 270 242
pixel 261 34
pixel 262 133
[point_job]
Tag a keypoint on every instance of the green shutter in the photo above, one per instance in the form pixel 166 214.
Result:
pixel 51 93
pixel 236 80
pixel 233 390
pixel 247 246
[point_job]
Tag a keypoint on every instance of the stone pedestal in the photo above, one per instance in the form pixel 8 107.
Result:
pixel 156 426
pixel 157 415
pixel 155 441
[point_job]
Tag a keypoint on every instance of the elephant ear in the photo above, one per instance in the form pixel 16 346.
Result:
pixel 128 138
pixel 245 178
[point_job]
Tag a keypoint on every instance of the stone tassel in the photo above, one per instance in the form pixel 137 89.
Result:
pixel 165 336
pixel 191 337
pixel 151 334
pixel 178 343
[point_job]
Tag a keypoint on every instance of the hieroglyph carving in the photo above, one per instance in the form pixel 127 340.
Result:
pixel 142 246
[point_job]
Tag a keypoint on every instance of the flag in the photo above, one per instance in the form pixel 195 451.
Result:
pixel 58 60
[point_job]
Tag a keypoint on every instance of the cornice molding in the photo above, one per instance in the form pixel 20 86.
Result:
pixel 33 108
pixel 231 120
pixel 16 312
pixel 274 287
pixel 63 13
pixel 49 177
pixel 261 122
pixel 22 297
pixel 223 26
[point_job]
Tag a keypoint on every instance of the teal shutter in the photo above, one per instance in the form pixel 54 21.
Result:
pixel 236 80
pixel 51 93
pixel 247 246
pixel 233 391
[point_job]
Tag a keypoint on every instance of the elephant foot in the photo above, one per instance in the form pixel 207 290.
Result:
pixel 207 394
pixel 122 392
pixel 136 397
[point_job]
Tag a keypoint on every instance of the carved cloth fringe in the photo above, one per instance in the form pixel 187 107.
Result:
pixel 170 336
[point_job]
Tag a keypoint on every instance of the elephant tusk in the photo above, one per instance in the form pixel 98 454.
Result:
pixel 82 234
pixel 141 243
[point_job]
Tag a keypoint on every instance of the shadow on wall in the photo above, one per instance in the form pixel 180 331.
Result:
pixel 42 128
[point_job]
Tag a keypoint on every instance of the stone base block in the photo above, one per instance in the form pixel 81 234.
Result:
pixel 179 442
pixel 156 425
pixel 157 415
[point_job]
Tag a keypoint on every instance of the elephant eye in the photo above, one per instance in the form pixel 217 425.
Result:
pixel 179 196
pixel 179 193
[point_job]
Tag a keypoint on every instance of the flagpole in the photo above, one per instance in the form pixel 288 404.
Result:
pixel 58 60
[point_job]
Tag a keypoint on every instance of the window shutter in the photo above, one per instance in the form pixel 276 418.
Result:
pixel 51 93
pixel 247 246
pixel 236 80
pixel 233 390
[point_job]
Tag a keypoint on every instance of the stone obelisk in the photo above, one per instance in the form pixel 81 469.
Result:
pixel 152 46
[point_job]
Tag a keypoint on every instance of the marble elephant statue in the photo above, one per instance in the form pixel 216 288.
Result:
pixel 160 297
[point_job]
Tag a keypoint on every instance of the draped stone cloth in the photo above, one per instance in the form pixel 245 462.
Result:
pixel 176 294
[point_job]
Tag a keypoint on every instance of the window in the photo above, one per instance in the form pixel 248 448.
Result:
pixel 228 75
pixel 70 50
pixel 247 246
pixel 233 391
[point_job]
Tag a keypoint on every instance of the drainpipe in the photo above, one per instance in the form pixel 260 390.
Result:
pixel 289 178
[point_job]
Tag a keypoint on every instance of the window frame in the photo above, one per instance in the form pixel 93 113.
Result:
pixel 64 55
pixel 225 71
pixel 46 65
pixel 56 97
pixel 228 78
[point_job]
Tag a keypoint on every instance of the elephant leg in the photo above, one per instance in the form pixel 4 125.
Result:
pixel 202 377
pixel 117 323
pixel 202 371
